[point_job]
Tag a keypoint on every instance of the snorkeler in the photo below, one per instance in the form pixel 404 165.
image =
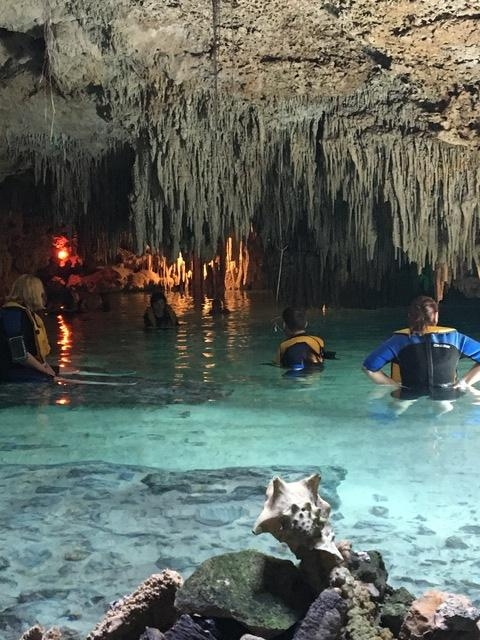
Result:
pixel 424 357
pixel 159 315
pixel 300 350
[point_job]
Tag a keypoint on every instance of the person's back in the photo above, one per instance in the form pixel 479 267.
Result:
pixel 424 356
pixel 299 350
pixel 429 359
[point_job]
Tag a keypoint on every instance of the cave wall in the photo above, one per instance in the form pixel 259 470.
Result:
pixel 347 130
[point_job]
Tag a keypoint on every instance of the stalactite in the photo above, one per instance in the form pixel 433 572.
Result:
pixel 210 164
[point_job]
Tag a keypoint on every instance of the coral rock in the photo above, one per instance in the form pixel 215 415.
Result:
pixel 151 605
pixel 441 616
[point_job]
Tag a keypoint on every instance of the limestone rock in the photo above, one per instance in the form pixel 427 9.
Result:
pixel 38 633
pixel 150 605
pixel 34 633
pixel 441 616
pixel 265 594
pixel 361 108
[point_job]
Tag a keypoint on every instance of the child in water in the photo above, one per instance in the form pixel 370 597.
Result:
pixel 299 350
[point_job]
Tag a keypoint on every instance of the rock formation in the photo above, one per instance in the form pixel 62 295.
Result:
pixel 345 133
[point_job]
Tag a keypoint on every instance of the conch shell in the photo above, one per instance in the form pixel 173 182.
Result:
pixel 294 513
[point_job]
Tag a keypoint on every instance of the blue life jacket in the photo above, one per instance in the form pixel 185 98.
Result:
pixel 10 326
pixel 11 321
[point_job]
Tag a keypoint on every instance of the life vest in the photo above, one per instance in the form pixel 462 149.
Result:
pixel 423 367
pixel 12 325
pixel 314 343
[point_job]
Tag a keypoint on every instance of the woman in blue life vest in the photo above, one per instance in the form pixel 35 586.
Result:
pixel 24 344
pixel 299 351
pixel 424 357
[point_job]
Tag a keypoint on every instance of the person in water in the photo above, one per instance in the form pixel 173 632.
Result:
pixel 424 357
pixel 299 351
pixel 24 344
pixel 159 315
pixel 218 308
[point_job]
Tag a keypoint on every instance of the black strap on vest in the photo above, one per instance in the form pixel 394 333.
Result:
pixel 429 354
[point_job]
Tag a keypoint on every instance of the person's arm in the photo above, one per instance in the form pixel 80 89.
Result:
pixel 43 367
pixel 374 363
pixel 471 377
pixel 471 349
pixel 378 377
pixel 278 356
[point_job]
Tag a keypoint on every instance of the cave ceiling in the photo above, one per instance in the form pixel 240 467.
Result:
pixel 245 111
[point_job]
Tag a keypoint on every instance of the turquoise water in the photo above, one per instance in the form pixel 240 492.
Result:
pixel 104 484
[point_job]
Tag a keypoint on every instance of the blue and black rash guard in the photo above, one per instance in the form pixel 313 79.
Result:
pixel 426 361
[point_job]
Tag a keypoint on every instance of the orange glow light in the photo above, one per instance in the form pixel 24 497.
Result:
pixel 62 254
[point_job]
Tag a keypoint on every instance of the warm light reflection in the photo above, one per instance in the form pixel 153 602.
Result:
pixel 62 255
pixel 64 341
pixel 62 401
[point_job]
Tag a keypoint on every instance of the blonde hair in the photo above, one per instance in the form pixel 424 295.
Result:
pixel 28 291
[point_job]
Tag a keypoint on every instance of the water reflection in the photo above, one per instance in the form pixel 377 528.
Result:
pixel 64 342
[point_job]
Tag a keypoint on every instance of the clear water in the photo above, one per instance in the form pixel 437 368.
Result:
pixel 82 526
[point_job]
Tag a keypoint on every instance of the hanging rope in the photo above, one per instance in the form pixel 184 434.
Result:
pixel 280 267
pixel 216 106
pixel 280 228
